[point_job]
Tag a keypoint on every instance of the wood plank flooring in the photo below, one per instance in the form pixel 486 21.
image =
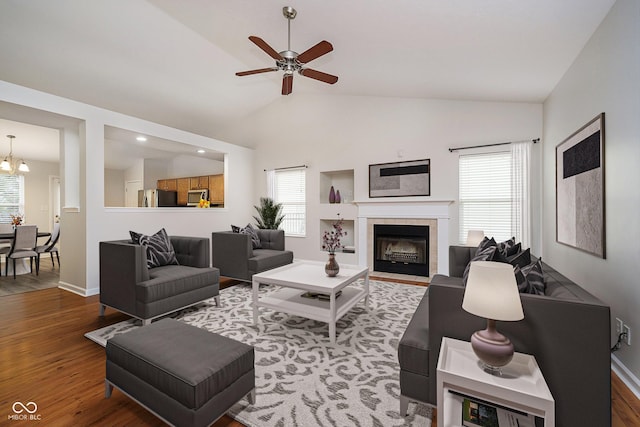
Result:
pixel 45 358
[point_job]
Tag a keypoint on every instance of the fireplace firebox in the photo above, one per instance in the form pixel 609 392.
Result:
pixel 402 249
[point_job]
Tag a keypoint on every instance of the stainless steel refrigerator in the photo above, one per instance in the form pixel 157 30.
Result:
pixel 157 198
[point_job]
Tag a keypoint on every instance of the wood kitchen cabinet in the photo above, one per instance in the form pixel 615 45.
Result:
pixel 183 189
pixel 167 184
pixel 216 189
pixel 199 182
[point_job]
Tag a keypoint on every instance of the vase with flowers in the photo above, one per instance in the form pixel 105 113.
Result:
pixel 17 220
pixel 330 243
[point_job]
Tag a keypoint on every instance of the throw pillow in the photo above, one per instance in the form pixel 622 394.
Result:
pixel 235 228
pixel 255 240
pixel 159 248
pixel 515 249
pixel 485 243
pixel 521 259
pixel 506 247
pixel 135 237
pixel 485 255
pixel 530 278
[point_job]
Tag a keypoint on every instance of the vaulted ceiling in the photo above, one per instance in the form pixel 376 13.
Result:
pixel 173 61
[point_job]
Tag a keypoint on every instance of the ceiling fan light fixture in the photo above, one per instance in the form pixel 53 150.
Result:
pixel 290 61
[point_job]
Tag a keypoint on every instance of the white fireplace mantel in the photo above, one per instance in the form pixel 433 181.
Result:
pixel 396 209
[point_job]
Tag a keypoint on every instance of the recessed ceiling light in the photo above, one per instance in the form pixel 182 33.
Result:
pixel 201 151
pixel 141 138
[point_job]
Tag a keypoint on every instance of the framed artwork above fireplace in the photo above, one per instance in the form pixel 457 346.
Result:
pixel 410 178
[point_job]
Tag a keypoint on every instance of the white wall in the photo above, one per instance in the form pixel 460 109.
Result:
pixel 85 221
pixel 186 166
pixel 36 195
pixel 114 184
pixel 335 133
pixel 604 78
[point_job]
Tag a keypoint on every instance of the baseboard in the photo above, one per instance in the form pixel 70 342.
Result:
pixel 627 377
pixel 78 290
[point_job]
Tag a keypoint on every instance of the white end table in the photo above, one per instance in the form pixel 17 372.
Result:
pixel 521 386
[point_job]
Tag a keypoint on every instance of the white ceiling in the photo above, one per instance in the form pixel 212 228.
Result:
pixel 173 61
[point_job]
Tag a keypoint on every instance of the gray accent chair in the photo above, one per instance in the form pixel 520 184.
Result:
pixel 233 254
pixel 127 285
pixel 568 330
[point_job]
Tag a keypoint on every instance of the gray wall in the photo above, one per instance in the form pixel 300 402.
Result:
pixel 605 77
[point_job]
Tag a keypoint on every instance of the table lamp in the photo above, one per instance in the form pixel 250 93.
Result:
pixel 474 237
pixel 492 293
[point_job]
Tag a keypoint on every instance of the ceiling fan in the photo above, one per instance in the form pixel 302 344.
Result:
pixel 290 61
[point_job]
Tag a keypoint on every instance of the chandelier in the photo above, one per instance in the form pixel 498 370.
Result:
pixel 10 165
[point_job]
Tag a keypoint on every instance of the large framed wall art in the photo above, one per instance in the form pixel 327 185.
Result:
pixel 580 202
pixel 411 178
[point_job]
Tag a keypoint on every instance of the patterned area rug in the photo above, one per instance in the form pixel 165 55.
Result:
pixel 302 379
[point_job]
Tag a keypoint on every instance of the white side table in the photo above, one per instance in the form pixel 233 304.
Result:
pixel 521 386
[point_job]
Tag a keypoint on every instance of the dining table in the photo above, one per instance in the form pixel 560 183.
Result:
pixel 22 266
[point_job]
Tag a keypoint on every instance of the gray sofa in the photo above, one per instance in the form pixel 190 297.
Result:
pixel 567 330
pixel 234 255
pixel 127 285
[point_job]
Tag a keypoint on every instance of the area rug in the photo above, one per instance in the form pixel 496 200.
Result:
pixel 301 378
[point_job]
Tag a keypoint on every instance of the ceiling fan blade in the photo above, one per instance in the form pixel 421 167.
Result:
pixel 261 70
pixel 287 84
pixel 319 75
pixel 315 52
pixel 265 47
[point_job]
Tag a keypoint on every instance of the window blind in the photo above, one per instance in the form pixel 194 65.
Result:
pixel 290 190
pixel 11 196
pixel 485 195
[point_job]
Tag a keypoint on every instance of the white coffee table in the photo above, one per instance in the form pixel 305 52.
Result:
pixel 308 276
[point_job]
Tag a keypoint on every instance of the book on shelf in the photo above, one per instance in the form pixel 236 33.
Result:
pixel 478 413
pixel 320 296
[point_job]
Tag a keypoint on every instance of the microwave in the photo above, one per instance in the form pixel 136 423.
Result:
pixel 194 197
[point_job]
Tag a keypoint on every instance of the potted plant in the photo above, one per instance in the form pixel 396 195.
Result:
pixel 269 214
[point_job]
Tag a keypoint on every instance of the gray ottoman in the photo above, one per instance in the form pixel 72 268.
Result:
pixel 183 374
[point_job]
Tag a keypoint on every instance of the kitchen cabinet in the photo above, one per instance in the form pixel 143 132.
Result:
pixel 216 189
pixel 213 183
pixel 167 184
pixel 183 189
pixel 199 182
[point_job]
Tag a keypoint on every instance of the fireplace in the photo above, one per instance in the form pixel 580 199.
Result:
pixel 402 249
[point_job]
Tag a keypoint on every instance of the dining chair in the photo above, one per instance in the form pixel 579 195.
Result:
pixel 6 228
pixel 23 246
pixel 50 246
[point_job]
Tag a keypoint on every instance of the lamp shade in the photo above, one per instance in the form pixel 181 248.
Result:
pixel 474 237
pixel 492 292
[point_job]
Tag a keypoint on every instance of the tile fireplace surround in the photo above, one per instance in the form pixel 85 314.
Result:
pixel 435 214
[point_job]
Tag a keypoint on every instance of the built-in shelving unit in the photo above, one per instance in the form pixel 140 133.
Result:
pixel 341 180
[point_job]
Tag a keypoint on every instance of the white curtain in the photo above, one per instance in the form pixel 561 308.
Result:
pixel 271 184
pixel 521 192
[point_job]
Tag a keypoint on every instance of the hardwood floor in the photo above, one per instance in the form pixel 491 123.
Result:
pixel 45 359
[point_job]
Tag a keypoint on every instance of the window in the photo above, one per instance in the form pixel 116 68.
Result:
pixel 11 196
pixel 485 195
pixel 287 186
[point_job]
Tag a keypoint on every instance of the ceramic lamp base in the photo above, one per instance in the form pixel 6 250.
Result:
pixel 492 348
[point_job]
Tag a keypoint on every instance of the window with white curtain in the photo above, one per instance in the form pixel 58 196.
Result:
pixel 287 186
pixel 11 196
pixel 485 195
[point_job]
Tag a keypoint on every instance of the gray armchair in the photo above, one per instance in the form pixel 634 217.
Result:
pixel 127 285
pixel 233 254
